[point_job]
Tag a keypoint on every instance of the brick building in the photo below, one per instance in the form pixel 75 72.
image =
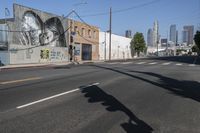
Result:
pixel 85 40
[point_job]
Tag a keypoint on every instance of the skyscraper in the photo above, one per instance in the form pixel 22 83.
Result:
pixel 172 36
pixel 164 42
pixel 185 36
pixel 188 34
pixel 128 34
pixel 177 37
pixel 155 34
pixel 150 38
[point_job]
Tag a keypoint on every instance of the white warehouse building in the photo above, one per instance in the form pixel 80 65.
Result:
pixel 120 47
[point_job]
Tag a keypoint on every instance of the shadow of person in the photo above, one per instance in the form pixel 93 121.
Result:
pixel 134 124
pixel 131 127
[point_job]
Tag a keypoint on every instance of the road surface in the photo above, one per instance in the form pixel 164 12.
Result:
pixel 157 95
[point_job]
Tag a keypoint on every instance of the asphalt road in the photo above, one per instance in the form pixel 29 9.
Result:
pixel 157 95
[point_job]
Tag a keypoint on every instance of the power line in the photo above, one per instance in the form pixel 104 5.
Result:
pixel 82 19
pixel 122 10
pixel 43 44
pixel 31 26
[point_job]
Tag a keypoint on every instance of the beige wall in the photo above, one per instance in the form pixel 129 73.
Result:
pixel 84 37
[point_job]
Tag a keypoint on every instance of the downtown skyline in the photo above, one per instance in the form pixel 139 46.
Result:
pixel 133 15
pixel 174 36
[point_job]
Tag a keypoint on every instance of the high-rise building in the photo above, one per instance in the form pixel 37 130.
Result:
pixel 128 34
pixel 177 37
pixel 155 34
pixel 185 36
pixel 188 34
pixel 150 38
pixel 164 42
pixel 172 36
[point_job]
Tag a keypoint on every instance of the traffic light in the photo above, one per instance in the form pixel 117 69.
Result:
pixel 71 39
pixel 70 47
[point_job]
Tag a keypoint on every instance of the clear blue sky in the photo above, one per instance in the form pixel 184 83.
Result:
pixel 167 12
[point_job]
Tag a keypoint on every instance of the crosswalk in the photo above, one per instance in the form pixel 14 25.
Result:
pixel 150 63
pixel 167 63
pixel 153 63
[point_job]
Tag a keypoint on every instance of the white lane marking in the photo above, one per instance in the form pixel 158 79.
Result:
pixel 153 63
pixel 179 64
pixel 167 63
pixel 54 96
pixel 20 80
pixel 126 63
pixel 192 65
pixel 139 63
pixel 113 63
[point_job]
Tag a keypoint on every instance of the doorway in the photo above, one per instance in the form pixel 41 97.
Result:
pixel 86 52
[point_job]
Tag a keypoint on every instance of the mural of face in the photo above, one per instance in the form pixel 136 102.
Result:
pixel 54 30
pixel 32 26
pixel 38 33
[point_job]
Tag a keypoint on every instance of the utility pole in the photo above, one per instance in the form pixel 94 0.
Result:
pixel 110 31
pixel 157 47
pixel 105 46
pixel 167 45
pixel 7 13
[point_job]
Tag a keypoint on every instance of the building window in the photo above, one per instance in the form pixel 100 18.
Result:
pixel 94 35
pixel 89 33
pixel 83 32
pixel 76 29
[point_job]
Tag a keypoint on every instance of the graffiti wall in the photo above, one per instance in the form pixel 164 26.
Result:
pixel 38 55
pixel 38 36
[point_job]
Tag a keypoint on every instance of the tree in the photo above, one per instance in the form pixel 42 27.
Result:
pixel 195 49
pixel 137 44
pixel 197 39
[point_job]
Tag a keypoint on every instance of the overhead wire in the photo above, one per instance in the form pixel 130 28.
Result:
pixel 122 10
pixel 31 26
pixel 42 44
pixel 39 44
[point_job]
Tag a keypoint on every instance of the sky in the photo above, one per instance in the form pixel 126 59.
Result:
pixel 136 15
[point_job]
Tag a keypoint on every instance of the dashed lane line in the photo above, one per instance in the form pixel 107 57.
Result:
pixel 126 63
pixel 153 63
pixel 113 63
pixel 179 64
pixel 55 96
pixel 167 63
pixel 140 63
pixel 192 65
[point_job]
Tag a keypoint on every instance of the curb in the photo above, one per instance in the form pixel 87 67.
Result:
pixel 24 67
pixel 44 65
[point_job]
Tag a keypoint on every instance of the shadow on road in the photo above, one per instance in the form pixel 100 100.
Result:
pixel 183 88
pixel 63 67
pixel 133 125
pixel 181 59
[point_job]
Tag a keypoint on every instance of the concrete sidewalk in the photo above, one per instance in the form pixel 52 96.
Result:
pixel 45 64
pixel 33 65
